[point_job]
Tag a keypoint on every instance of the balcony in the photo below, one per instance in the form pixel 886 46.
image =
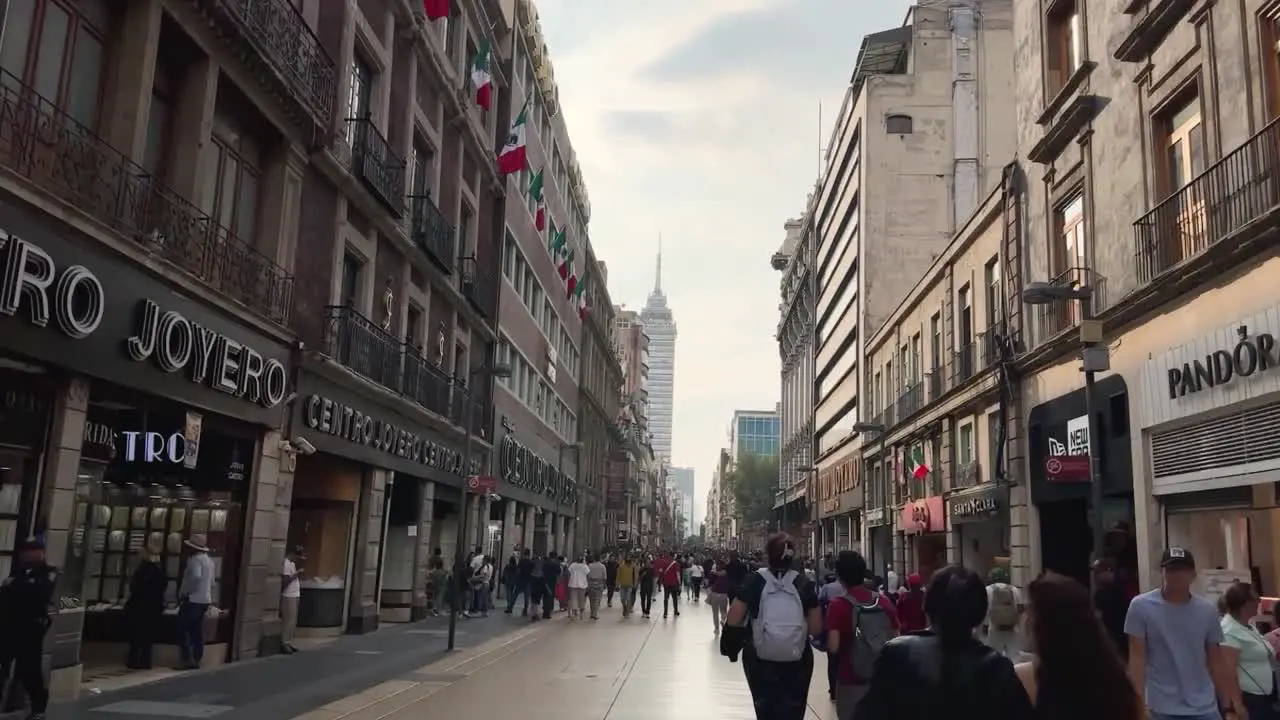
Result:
pixel 67 160
pixel 911 400
pixel 1225 201
pixel 431 232
pixel 479 287
pixel 376 165
pixel 935 383
pixel 989 348
pixel 1058 317
pixel 967 475
pixel 296 63
pixel 965 364
pixel 361 346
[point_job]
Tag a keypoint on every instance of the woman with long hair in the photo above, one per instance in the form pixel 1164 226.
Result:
pixel 1076 671
pixel 944 671
pixel 1247 653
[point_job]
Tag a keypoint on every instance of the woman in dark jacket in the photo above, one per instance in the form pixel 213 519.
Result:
pixel 144 609
pixel 944 672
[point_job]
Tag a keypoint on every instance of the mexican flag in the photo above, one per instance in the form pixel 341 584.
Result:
pixel 540 209
pixel 558 245
pixel 514 155
pixel 480 76
pixel 436 9
pixel 580 297
pixel 572 284
pixel 566 264
pixel 919 469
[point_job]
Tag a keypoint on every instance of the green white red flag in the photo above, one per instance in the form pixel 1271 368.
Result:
pixel 481 78
pixel 540 202
pixel 559 243
pixel 514 155
pixel 919 468
pixel 580 296
pixel 566 264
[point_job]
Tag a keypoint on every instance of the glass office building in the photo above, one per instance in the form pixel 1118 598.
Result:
pixel 755 433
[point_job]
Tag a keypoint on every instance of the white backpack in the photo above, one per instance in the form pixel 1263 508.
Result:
pixel 780 632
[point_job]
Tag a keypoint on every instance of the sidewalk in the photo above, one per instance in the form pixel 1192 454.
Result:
pixel 610 669
pixel 282 686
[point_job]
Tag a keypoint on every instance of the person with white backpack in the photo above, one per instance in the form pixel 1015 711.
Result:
pixel 770 623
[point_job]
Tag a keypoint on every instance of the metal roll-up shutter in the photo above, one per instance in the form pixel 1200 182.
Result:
pixel 1222 499
pixel 1243 437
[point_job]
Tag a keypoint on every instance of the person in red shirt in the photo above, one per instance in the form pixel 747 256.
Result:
pixel 911 606
pixel 851 572
pixel 667 569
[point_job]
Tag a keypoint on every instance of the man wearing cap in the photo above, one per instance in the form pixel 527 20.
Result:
pixel 26 607
pixel 1174 648
pixel 196 595
pixel 290 596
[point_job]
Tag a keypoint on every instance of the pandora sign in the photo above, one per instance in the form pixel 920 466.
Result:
pixel 74 301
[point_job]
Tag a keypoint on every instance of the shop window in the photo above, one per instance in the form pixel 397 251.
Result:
pixel 57 50
pixel 25 404
pixel 1220 541
pixel 1064 38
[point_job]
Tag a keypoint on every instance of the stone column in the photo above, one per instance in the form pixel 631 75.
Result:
pixel 527 535
pixel 571 536
pixel 131 79
pixel 362 617
pixel 509 540
pixel 557 534
pixel 422 551
pixel 57 516
pixel 267 515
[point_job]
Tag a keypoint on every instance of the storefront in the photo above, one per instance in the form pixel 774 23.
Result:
pixel 1211 428
pixel 878 523
pixel 980 526
pixel 380 494
pixel 1058 444
pixel 840 489
pixel 160 405
pixel 540 490
pixel 923 524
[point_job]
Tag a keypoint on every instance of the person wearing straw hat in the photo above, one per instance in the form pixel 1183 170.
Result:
pixel 196 595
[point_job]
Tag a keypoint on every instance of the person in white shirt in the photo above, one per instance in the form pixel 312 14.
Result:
pixel 290 596
pixel 695 579
pixel 196 595
pixel 579 580
pixel 1004 615
pixel 480 588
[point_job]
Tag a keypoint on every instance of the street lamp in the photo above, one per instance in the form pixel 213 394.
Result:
pixel 459 561
pixel 1093 359
pixel 882 432
pixel 575 445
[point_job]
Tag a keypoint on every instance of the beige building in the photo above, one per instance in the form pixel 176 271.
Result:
pixel 1149 134
pixel 924 130
pixel 933 462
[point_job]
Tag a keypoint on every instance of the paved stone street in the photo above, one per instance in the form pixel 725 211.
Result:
pixel 283 686
pixel 611 669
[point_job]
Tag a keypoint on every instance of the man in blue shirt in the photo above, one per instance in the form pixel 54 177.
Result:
pixel 1174 648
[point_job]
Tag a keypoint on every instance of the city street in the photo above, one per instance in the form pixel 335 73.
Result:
pixel 610 669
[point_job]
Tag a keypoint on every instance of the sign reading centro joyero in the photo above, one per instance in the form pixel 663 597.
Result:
pixel 334 418
pixel 523 468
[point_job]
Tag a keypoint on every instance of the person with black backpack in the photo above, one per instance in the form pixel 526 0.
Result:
pixel 770 624
pixel 859 622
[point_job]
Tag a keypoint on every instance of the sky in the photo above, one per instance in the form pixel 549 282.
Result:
pixel 699 122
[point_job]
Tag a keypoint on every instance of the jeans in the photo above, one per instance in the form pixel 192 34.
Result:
pixel 518 589
pixel 671 599
pixel 719 603
pixel 610 590
pixel 779 690
pixel 288 620
pixel 646 599
pixel 593 601
pixel 23 651
pixel 697 588
pixel 627 597
pixel 480 599
pixel 548 601
pixel 191 632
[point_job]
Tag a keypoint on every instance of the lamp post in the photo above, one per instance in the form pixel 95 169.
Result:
pixel 881 431
pixel 576 446
pixel 1048 293
pixel 459 561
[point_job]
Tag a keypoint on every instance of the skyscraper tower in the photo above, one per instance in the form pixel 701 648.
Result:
pixel 661 329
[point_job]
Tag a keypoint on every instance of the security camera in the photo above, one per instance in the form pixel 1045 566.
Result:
pixel 495 497
pixel 302 446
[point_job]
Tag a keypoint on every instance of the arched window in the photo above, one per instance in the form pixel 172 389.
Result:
pixel 898 124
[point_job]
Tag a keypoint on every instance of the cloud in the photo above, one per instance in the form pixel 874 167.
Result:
pixel 645 125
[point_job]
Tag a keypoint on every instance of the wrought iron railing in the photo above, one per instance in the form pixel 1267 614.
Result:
pixel 431 232
pixel 911 400
pixel 989 347
pixel 967 475
pixel 280 33
pixel 369 350
pixel 1218 202
pixel 478 287
pixel 376 164
pixel 965 364
pixel 1058 316
pixel 60 156
pixel 935 382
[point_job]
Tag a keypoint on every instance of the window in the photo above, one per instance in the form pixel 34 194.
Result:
pixel 421 168
pixel 464 231
pixel 964 317
pixel 510 258
pixel 964 445
pixel 935 341
pixel 58 51
pixel 877 396
pixel 231 191
pixel 992 276
pixel 349 289
pixel 915 358
pixel 159 120
pixel 413 326
pixel 1184 143
pixel 360 94
pixel 450 35
pixel 898 124
pixel 1065 52
pixel 994 441
pixel 1270 32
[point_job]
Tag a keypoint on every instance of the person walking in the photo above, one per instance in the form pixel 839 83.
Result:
pixel 1174 641
pixel 290 596
pixel 579 581
pixel 597 578
pixel 718 594
pixel 1246 653
pixel 521 583
pixel 1075 671
pixel 195 595
pixel 945 671
pixel 1004 614
pixel 695 580
pixel 668 570
pixel 648 580
pixel 611 576
pixel 144 610
pixel 551 572
pixel 859 623
pixel 26 608
pixel 626 580
pixel 769 625
pixel 910 605
pixel 537 587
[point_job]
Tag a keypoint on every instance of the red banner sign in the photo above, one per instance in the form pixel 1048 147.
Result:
pixel 1067 468
pixel 482 484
